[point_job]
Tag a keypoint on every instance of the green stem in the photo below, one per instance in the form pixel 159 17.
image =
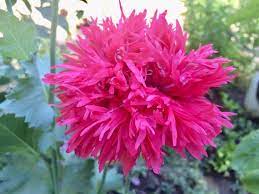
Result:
pixel 54 160
pixel 54 167
pixel 9 6
pixel 100 188
pixel 127 184
pixel 53 36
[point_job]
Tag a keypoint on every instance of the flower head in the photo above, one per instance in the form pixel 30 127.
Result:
pixel 129 89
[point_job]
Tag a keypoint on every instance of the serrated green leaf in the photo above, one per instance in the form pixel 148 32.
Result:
pixel 16 136
pixel 43 65
pixel 28 100
pixel 24 175
pixel 19 37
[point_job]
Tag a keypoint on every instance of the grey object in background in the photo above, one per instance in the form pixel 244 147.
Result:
pixel 252 96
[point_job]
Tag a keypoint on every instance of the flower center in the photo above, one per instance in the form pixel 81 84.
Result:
pixel 158 77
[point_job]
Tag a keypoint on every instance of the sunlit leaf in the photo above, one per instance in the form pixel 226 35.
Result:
pixel 19 37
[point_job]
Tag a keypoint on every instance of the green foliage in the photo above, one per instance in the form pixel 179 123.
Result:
pixel 113 181
pixel 28 97
pixel 251 179
pixel 220 159
pixel 247 12
pixel 16 136
pixel 19 37
pixel 50 138
pixel 27 100
pixel 246 155
pixel 246 159
pixel 184 173
pixel 229 103
pixel 178 175
pixel 23 175
pixel 208 22
pixel 246 19
pixel 76 175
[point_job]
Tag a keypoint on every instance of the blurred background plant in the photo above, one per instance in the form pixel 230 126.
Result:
pixel 32 156
pixel 232 27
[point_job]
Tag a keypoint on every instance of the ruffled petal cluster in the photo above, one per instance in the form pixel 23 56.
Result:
pixel 130 89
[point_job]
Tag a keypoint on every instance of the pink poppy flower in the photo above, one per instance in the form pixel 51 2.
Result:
pixel 129 89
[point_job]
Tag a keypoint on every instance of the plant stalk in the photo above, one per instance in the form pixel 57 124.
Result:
pixel 100 188
pixel 127 184
pixel 54 155
pixel 9 6
pixel 54 169
pixel 53 36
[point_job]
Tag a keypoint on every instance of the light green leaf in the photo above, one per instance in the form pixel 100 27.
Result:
pixel 246 154
pixel 16 136
pixel 251 180
pixel 87 171
pixel 246 161
pixel 29 96
pixel 51 138
pixel 39 68
pixel 19 37
pixel 43 65
pixel 28 100
pixel 24 175
pixel 76 177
